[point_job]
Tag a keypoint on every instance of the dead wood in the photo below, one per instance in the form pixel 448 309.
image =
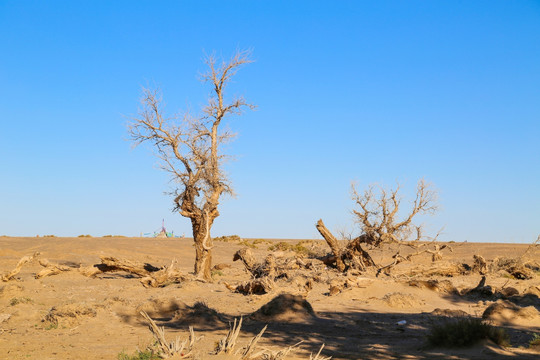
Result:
pixel 256 286
pixel 333 243
pixel 267 268
pixel 25 259
pixel 132 267
pixel 450 269
pixel 263 274
pixel 318 355
pixel 150 275
pixel 353 256
pixel 165 276
pixel 227 344
pixel 247 353
pixel 480 265
pixel 50 269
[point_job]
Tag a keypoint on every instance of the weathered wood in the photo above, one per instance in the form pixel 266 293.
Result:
pixel 360 257
pixel 247 258
pixel 332 242
pixel 50 269
pixel 166 276
pixel 136 268
pixel 253 287
pixel 150 275
pixel 263 274
pixel 25 259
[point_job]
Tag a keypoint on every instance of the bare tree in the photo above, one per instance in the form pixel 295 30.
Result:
pixel 378 214
pixel 190 150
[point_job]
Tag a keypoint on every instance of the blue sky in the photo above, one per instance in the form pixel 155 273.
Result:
pixel 372 92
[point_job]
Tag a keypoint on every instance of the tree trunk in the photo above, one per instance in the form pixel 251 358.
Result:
pixel 332 242
pixel 203 246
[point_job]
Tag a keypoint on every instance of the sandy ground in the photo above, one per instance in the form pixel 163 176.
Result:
pixel 358 323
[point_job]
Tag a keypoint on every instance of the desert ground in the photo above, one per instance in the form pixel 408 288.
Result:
pixel 357 315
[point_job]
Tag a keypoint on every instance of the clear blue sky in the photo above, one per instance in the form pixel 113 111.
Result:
pixel 346 91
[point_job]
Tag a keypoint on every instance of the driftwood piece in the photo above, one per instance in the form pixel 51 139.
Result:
pixel 25 259
pixel 333 243
pixel 150 275
pixel 50 269
pixel 166 276
pixel 132 267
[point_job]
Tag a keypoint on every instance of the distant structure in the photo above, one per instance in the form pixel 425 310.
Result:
pixel 162 233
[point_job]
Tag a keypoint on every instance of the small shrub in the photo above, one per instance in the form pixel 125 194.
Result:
pixel 535 341
pixel 261 241
pixel 298 248
pixel 20 300
pixel 51 326
pixel 465 332
pixel 228 238
pixel 49 235
pixel 139 355
pixel 85 236
pixel 216 272
pixel 248 244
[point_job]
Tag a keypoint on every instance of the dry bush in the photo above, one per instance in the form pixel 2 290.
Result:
pixel 464 332
pixel 228 238
pixel 377 214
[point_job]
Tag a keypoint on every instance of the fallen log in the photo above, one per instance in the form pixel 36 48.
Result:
pixel 50 269
pixel 25 259
pixel 151 276
pixel 333 243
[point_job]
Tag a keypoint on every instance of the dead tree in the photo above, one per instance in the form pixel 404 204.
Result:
pixel 190 150
pixel 380 225
pixel 378 215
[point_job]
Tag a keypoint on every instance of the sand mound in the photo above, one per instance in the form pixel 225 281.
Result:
pixel 401 300
pixel 449 313
pixel 69 314
pixel 509 291
pixel 285 308
pixel 198 314
pixel 442 286
pixel 161 309
pixel 505 312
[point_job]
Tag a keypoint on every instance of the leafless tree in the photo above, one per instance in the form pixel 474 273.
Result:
pixel 190 149
pixel 378 214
